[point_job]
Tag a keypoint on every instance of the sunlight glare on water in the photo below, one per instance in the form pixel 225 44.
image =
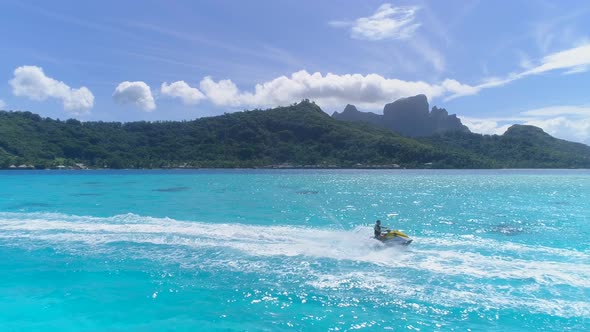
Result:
pixel 277 250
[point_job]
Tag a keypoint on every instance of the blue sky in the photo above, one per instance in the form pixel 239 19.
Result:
pixel 493 63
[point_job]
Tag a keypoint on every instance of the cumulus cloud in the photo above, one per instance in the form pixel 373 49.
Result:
pixel 226 93
pixel 570 61
pixel 388 22
pixel 485 126
pixel 573 129
pixel 367 91
pixel 2 104
pixel 135 93
pixel 571 122
pixel 332 90
pixel 182 90
pixel 31 82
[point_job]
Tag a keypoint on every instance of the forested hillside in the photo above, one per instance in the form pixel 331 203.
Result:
pixel 300 135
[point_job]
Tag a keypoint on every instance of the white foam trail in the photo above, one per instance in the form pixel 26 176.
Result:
pixel 472 242
pixel 480 266
pixel 437 256
pixel 480 295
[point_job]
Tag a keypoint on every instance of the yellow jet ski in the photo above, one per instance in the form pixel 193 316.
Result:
pixel 394 237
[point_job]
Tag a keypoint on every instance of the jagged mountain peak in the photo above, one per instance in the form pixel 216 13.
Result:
pixel 408 116
pixel 350 108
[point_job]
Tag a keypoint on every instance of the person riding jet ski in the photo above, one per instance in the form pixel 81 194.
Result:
pixel 390 237
pixel 377 229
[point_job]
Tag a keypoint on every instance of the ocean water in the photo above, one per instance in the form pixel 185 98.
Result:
pixel 290 250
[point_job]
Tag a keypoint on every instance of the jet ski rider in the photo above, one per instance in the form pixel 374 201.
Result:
pixel 377 229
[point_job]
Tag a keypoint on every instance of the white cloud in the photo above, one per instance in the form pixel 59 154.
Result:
pixel 428 53
pixel 572 129
pixel 366 91
pixel 582 111
pixel 570 122
pixel 182 90
pixel 484 126
pixel 2 104
pixel 31 82
pixel 577 57
pixel 398 23
pixel 226 93
pixel 135 93
pixel 544 35
pixel 577 70
pixel 524 60
pixel 573 60
pixel 387 22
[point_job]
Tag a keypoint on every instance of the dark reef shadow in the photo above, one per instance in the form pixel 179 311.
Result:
pixel 29 205
pixel 307 192
pixel 560 203
pixel 172 189
pixel 507 230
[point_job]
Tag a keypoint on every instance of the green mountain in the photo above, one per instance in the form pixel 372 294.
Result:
pixel 301 135
pixel 519 147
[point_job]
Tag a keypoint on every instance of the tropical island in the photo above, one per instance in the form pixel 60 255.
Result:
pixel 296 136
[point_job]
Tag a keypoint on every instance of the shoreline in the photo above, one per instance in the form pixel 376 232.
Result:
pixel 283 168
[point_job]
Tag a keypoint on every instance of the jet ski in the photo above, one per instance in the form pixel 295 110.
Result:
pixel 394 237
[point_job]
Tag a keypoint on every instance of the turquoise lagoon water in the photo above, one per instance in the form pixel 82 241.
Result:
pixel 249 250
